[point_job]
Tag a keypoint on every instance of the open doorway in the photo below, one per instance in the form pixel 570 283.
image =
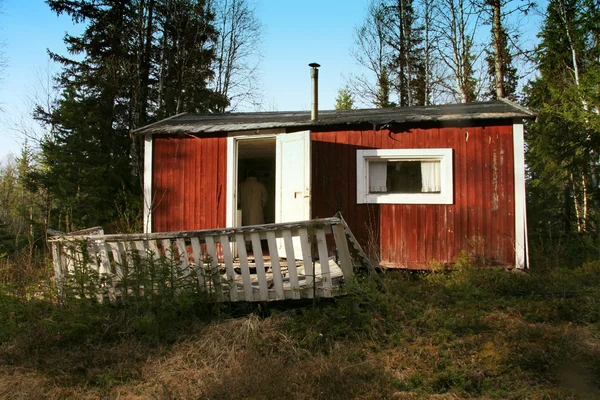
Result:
pixel 256 159
pixel 282 163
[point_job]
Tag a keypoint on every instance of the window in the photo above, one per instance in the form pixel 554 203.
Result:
pixel 404 176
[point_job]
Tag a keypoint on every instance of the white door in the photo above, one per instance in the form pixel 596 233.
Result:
pixel 292 173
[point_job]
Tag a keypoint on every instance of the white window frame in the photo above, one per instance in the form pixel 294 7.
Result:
pixel 364 157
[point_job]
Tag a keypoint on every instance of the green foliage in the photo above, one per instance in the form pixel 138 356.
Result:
pixel 509 71
pixel 134 63
pixel 21 208
pixel 383 90
pixel 404 38
pixel 344 99
pixel 472 332
pixel 154 297
pixel 563 145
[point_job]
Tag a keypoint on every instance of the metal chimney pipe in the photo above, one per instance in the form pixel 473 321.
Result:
pixel 314 74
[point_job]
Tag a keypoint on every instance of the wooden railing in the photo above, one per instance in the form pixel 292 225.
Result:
pixel 252 263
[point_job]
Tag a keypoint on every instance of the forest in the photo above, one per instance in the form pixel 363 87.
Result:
pixel 140 61
pixel 475 332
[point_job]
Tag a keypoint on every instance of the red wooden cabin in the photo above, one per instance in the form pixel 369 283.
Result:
pixel 415 184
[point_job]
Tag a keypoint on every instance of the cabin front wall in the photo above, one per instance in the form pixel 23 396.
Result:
pixel 189 177
pixel 480 221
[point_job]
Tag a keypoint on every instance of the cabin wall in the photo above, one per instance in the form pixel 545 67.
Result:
pixel 480 221
pixel 188 183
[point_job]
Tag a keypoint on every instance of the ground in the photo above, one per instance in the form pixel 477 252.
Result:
pixel 474 333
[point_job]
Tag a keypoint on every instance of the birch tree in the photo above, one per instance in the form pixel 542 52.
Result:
pixel 457 25
pixel 372 53
pixel 236 65
pixel 564 145
pixel 504 47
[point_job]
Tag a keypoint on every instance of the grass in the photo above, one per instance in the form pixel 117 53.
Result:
pixel 472 333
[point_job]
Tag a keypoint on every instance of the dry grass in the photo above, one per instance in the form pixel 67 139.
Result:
pixel 471 334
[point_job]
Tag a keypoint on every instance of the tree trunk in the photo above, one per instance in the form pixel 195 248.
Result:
pixel 576 204
pixel 498 59
pixel 145 66
pixel 566 208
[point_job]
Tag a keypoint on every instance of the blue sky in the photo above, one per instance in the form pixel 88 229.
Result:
pixel 295 34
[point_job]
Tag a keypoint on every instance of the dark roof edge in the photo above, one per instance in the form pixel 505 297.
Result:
pixel 209 128
pixel 134 131
pixel 378 117
pixel 519 107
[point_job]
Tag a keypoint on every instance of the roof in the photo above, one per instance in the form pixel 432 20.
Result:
pixel 230 122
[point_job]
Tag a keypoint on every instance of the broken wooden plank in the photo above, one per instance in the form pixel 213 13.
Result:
pixel 262 229
pixel 291 261
pixel 307 259
pixel 228 260
pixel 324 261
pixel 260 266
pixel 245 269
pixel 275 266
pixel 343 251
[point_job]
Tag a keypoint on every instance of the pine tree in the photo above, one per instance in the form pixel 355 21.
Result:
pixel 344 99
pixel 136 61
pixel 404 38
pixel 563 146
pixel 501 71
pixel 186 55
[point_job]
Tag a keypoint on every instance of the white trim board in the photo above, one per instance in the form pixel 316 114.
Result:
pixel 230 188
pixel 444 155
pixel 521 244
pixel 148 152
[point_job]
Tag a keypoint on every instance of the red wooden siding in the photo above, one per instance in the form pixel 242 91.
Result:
pixel 188 183
pixel 480 221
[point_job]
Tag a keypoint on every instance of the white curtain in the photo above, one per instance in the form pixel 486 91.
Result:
pixel 377 177
pixel 430 177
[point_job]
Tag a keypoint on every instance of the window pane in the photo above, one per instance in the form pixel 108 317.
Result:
pixel 377 177
pixel 404 177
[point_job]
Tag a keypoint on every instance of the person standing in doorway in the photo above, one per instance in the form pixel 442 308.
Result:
pixel 253 197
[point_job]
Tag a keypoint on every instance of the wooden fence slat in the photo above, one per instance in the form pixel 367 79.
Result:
pixel 228 259
pixel 140 247
pixel 105 272
pixel 275 266
pixel 260 267
pixel 104 261
pixel 324 261
pixel 116 250
pixel 59 275
pixel 343 251
pixel 71 258
pixel 64 262
pixel 104 251
pixel 184 262
pixel 243 256
pixel 129 249
pixel 354 243
pixel 152 249
pixel 214 267
pixel 202 233
pixel 167 248
pixel 309 275
pixel 197 252
pixel 291 263
pixel 92 252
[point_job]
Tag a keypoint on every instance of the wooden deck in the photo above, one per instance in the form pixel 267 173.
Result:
pixel 297 260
